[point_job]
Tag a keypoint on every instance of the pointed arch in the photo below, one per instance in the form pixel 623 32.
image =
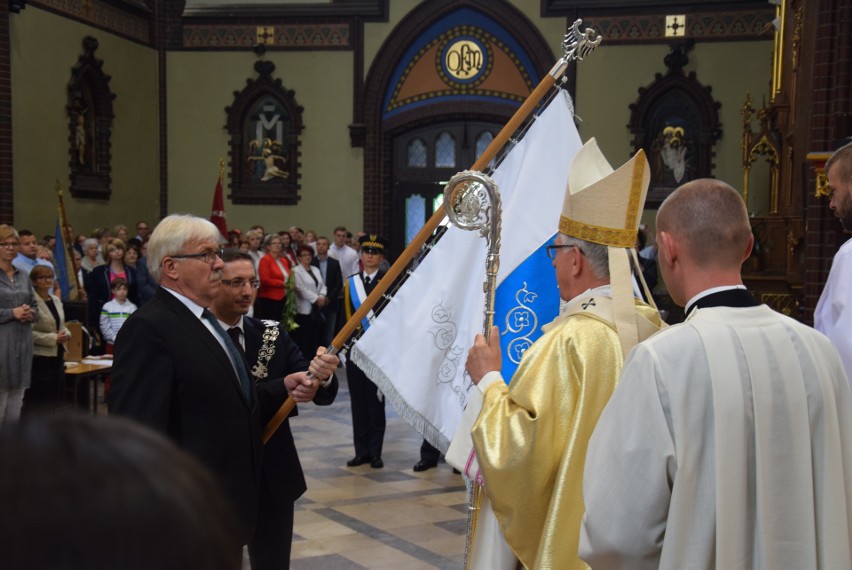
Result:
pixel 379 131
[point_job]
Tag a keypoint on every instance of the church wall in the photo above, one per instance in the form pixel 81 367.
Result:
pixel 201 84
pixel 608 82
pixel 44 48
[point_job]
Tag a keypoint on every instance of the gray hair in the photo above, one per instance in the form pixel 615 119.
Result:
pixel 172 234
pixel 89 242
pixel 597 255
pixel 269 238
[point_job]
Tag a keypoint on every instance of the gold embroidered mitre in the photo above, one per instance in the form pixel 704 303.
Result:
pixel 603 205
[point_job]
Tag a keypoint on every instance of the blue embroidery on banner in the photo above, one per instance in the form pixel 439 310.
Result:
pixel 525 300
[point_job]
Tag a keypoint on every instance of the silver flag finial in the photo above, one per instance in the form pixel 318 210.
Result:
pixel 577 44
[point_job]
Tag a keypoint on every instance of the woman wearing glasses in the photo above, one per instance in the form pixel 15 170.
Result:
pixel 273 272
pixel 49 339
pixel 17 312
pixel 310 298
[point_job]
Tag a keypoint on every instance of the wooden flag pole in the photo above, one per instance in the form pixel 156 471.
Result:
pixel 576 46
pixel 69 253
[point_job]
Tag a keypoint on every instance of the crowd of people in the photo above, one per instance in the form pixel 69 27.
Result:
pixel 620 442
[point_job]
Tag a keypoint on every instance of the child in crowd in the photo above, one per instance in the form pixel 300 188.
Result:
pixel 115 312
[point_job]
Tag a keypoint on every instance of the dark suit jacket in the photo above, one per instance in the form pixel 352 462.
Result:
pixel 333 277
pixel 282 471
pixel 171 373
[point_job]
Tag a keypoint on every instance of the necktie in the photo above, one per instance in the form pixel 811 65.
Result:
pixel 234 333
pixel 239 362
pixel 366 281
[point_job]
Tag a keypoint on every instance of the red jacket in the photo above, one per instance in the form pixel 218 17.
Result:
pixel 272 281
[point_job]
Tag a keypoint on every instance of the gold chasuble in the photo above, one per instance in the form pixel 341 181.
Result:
pixel 531 436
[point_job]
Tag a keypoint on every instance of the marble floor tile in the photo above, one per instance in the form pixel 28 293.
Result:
pixel 360 517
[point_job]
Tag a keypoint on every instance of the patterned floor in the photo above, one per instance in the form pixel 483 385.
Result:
pixel 360 517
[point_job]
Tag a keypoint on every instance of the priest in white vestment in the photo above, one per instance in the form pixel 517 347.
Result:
pixel 728 441
pixel 833 313
pixel 530 437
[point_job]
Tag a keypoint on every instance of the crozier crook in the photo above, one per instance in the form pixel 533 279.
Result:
pixel 472 202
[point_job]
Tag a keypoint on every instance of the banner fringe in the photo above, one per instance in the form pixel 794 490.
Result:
pixel 432 434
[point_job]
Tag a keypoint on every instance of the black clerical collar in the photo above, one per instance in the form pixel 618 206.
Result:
pixel 735 296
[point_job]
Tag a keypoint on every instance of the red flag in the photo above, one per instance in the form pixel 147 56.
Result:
pixel 217 216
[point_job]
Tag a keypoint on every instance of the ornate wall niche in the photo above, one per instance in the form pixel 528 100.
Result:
pixel 90 125
pixel 264 124
pixel 676 121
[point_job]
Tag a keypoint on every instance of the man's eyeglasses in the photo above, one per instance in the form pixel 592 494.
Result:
pixel 240 283
pixel 10 244
pixel 553 249
pixel 208 257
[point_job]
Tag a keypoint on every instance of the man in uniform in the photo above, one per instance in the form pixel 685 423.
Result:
pixel 530 436
pixel 728 442
pixel 368 404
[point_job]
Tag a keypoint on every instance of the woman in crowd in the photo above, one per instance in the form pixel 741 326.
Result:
pixel 310 298
pixel 133 257
pixel 90 255
pixel 120 232
pixel 78 242
pixel 287 247
pixel 49 339
pixel 17 312
pixel 311 240
pixel 100 281
pixel 103 235
pixel 273 272
pixel 254 238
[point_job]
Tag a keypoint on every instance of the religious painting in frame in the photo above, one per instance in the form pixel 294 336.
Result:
pixel 676 121
pixel 265 124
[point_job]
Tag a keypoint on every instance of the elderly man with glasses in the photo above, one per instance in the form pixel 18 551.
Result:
pixel 530 437
pixel 178 371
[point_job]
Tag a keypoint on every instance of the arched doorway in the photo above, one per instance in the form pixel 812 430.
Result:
pixel 451 68
pixel 423 160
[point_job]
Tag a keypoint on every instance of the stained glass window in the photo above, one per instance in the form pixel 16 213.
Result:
pixel 417 154
pixel 445 151
pixel 482 141
pixel 415 216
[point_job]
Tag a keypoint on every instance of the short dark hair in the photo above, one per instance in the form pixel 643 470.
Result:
pixel 339 229
pixel 25 233
pixel 843 157
pixel 118 282
pixel 234 254
pixel 304 249
pixel 110 493
pixel 40 271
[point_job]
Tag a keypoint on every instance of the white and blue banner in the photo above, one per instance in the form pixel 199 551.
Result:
pixel 416 348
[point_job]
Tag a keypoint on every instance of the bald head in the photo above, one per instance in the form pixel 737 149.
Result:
pixel 709 220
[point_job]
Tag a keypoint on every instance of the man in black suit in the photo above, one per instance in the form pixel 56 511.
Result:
pixel 175 370
pixel 368 404
pixel 282 480
pixel 333 279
